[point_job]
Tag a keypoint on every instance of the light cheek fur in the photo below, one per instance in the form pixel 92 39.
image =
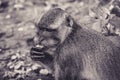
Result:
pixel 63 32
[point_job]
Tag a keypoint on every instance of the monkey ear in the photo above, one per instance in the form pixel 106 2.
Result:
pixel 37 25
pixel 69 21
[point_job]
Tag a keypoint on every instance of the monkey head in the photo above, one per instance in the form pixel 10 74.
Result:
pixel 54 27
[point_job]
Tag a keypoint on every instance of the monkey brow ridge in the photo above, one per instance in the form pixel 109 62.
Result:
pixel 53 18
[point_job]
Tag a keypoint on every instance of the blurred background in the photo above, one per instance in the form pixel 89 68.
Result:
pixel 17 31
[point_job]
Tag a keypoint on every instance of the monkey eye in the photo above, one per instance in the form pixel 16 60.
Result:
pixel 69 22
pixel 43 29
pixel 37 33
pixel 47 29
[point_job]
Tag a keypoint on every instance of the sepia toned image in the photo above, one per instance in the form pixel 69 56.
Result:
pixel 59 39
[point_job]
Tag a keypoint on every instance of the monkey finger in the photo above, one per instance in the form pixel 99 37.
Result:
pixel 37 49
pixel 32 52
pixel 37 57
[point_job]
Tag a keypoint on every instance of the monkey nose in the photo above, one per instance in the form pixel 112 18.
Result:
pixel 36 40
pixel 41 39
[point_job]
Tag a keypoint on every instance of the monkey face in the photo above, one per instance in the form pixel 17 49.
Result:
pixel 47 37
pixel 53 29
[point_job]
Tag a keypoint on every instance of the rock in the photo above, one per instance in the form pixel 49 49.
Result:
pixel 13 57
pixel 11 67
pixel 9 64
pixel 8 16
pixel 35 66
pixel 0 50
pixel 20 29
pixel 28 70
pixel 19 6
pixel 44 72
pixel 2 34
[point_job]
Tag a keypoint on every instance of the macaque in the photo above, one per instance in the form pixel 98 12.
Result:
pixel 85 54
pixel 78 53
pixel 49 35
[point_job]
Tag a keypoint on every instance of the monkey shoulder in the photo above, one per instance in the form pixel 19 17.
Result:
pixel 86 42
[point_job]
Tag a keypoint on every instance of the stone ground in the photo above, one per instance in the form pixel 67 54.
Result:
pixel 17 29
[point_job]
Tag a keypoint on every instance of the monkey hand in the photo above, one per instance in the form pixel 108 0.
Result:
pixel 41 53
pixel 37 52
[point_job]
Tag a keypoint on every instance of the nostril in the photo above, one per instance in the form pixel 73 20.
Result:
pixel 36 39
pixel 41 39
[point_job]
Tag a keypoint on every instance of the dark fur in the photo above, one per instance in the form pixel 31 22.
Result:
pixel 81 54
pixel 48 35
pixel 49 32
pixel 86 55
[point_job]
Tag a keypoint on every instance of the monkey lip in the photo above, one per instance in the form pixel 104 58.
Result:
pixel 39 46
pixel 48 42
pixel 41 42
pixel 36 51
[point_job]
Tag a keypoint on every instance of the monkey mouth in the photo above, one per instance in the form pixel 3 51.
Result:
pixel 49 42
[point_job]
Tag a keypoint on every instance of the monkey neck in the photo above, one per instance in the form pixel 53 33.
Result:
pixel 76 28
